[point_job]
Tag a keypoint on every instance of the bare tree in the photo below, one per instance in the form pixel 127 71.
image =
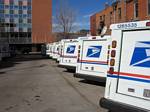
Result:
pixel 65 18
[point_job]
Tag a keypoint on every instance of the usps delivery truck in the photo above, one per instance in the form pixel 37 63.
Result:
pixel 53 50
pixel 128 78
pixel 48 49
pixel 68 58
pixel 59 51
pixel 92 58
pixel 56 49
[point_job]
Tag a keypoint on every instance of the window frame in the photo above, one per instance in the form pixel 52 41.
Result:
pixel 148 7
pixel 119 13
pixel 136 9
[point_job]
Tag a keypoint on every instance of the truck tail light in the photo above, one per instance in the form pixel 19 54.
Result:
pixel 79 47
pixel 113 53
pixel 111 70
pixel 78 53
pixel 112 62
pixel 78 58
pixel 108 53
pixel 114 44
pixel 148 24
pixel 61 50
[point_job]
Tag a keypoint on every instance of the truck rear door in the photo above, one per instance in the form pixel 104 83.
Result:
pixel 134 65
pixel 70 52
pixel 94 55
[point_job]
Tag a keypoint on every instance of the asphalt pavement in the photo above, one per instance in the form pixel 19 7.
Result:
pixel 31 83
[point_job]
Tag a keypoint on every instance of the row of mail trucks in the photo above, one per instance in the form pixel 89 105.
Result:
pixel 121 60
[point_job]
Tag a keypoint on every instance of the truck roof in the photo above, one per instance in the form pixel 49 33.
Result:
pixel 131 25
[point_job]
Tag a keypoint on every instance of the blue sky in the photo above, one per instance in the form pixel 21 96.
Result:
pixel 84 9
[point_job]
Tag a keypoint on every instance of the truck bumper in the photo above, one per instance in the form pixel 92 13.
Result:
pixel 67 67
pixel 90 77
pixel 119 107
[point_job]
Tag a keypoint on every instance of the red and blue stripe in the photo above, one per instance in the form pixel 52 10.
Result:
pixel 66 56
pixel 93 62
pixel 130 76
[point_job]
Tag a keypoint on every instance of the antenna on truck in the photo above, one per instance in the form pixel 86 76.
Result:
pixel 104 30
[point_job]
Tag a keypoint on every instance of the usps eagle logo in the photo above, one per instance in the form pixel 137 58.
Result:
pixel 71 49
pixel 141 54
pixel 94 51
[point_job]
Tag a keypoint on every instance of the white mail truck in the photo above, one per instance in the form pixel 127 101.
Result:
pixel 128 77
pixel 59 51
pixel 55 50
pixel 68 58
pixel 93 58
pixel 49 49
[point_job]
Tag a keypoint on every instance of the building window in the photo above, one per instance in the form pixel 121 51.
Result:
pixel 29 29
pixel 24 7
pixel 20 20
pixel 100 18
pixel 119 13
pixel 20 11
pixel 1 11
pixel 6 6
pixel 11 20
pixel 29 11
pixel 11 29
pixel 148 7
pixel 104 18
pixel 20 3
pixel 29 20
pixel 16 7
pixel 111 17
pixel 11 2
pixel 11 7
pixel 1 1
pixel 136 11
pixel 11 12
pixel 29 3
pixel 20 30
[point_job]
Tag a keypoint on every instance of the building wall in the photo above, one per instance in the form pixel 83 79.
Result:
pixel 93 24
pixel 127 14
pixel 41 21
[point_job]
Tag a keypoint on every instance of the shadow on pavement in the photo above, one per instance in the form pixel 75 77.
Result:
pixel 10 62
pixel 2 73
pixel 93 82
pixel 69 71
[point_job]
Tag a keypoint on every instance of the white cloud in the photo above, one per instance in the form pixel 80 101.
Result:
pixel 87 16
pixel 82 23
pixel 53 17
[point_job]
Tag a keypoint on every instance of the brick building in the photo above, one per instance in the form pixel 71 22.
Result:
pixel 120 11
pixel 26 23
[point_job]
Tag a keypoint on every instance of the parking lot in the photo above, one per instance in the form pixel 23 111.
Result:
pixel 30 83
